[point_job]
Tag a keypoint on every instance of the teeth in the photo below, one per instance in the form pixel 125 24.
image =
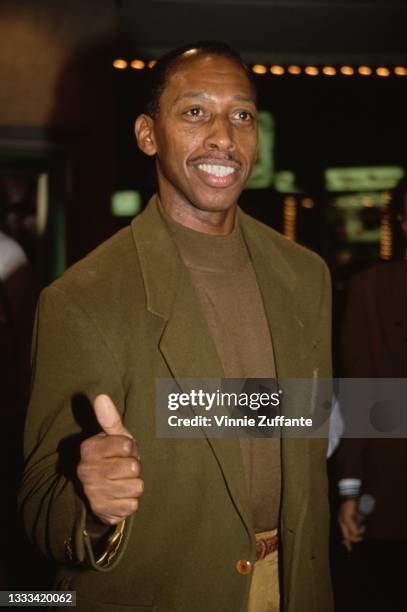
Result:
pixel 216 170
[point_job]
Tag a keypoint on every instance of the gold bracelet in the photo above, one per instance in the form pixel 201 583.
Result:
pixel 112 545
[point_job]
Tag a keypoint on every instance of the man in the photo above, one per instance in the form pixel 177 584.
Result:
pixel 374 345
pixel 194 289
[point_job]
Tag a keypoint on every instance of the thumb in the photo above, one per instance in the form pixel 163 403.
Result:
pixel 108 417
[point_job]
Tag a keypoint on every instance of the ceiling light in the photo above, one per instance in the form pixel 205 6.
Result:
pixel 329 70
pixel 294 69
pixel 382 72
pixel 365 70
pixel 277 70
pixel 138 64
pixel 347 70
pixel 120 64
pixel 259 69
pixel 400 71
pixel 311 70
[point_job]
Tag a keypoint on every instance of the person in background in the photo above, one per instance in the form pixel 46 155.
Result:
pixel 374 345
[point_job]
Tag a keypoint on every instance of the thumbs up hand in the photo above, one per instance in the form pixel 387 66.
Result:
pixel 110 468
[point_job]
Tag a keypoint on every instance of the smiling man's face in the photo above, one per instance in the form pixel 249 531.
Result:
pixel 204 137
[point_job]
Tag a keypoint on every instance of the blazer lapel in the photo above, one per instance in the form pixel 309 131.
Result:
pixel 186 344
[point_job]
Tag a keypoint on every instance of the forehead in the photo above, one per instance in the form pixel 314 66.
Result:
pixel 210 74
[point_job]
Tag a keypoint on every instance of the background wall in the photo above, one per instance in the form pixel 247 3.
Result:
pixel 55 70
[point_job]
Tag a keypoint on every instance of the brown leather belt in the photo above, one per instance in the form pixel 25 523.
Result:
pixel 266 546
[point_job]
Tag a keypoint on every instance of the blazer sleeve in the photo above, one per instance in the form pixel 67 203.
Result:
pixel 71 365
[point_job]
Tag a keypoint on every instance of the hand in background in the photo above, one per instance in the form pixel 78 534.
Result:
pixel 352 531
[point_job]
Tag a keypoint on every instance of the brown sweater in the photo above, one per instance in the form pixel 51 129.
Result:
pixel 227 287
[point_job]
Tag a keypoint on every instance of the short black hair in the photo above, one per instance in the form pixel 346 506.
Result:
pixel 160 72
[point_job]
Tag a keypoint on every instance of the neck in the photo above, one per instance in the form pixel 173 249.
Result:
pixel 214 222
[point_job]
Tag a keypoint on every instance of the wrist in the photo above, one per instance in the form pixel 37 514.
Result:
pixel 95 528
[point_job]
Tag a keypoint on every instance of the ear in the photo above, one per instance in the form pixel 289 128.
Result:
pixel 144 131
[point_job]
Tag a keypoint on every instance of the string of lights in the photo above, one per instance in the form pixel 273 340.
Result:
pixel 136 64
pixel 290 70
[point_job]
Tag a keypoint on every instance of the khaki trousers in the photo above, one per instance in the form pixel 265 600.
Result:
pixel 264 593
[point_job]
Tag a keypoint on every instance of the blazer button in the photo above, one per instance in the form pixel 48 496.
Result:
pixel 243 567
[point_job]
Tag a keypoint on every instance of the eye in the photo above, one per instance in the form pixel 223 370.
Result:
pixel 194 113
pixel 244 115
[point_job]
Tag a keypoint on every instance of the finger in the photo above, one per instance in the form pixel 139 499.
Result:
pixel 354 529
pixel 103 446
pixel 120 469
pixel 112 490
pixel 345 531
pixel 355 535
pixel 108 416
pixel 103 496
pixel 359 532
pixel 117 509
pixel 120 446
pixel 126 489
pixel 354 538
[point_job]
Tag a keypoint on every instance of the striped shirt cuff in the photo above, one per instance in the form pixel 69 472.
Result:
pixel 349 487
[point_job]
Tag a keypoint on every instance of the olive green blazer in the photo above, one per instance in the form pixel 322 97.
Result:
pixel 113 323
